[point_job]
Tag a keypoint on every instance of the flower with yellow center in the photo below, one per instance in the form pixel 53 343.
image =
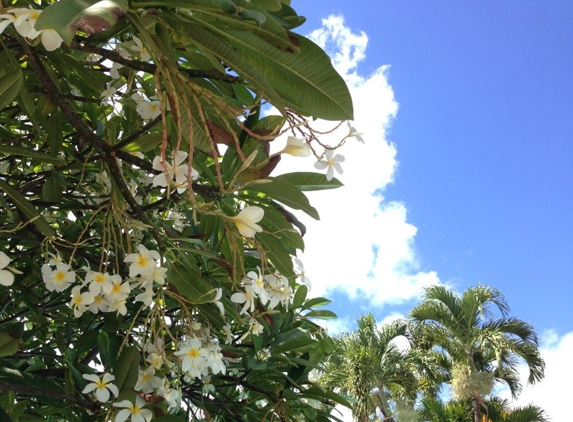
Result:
pixel 58 279
pixel 102 386
pixel 143 262
pixel 80 301
pixel 193 357
pixel 133 410
pixel 246 221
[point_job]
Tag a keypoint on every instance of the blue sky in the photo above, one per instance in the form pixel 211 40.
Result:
pixel 467 110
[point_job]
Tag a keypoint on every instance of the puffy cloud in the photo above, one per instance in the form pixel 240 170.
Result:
pixel 363 246
pixel 551 394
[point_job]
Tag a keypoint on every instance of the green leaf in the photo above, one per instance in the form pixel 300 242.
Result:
pixel 271 5
pixel 322 314
pixel 9 344
pixel 285 192
pixel 185 276
pixel 126 368
pixel 144 143
pixel 317 302
pixel 297 344
pixel 103 347
pixel 55 136
pixel 277 253
pixel 4 417
pixel 309 181
pixel 29 211
pixel 213 44
pixel 25 152
pixel 307 80
pixel 299 297
pixel 52 190
pixel 10 85
pixel 92 16
pixel 275 222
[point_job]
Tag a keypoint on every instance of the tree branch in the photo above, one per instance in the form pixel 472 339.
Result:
pixel 150 67
pixel 109 155
pixel 37 391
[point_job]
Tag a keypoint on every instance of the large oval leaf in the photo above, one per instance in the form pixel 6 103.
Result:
pixel 92 16
pixel 307 79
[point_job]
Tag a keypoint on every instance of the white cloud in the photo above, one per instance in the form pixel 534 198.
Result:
pixel 363 246
pixel 552 393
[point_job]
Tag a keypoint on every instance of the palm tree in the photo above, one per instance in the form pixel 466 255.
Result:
pixel 499 410
pixel 480 347
pixel 371 368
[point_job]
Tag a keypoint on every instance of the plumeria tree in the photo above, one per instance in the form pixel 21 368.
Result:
pixel 147 250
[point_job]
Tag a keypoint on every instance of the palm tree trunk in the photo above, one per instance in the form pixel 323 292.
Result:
pixel 476 407
pixel 384 405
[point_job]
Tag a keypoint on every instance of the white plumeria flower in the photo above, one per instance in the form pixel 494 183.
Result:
pixel 147 381
pixel 26 21
pixel 193 357
pixel 58 279
pixel 215 361
pixel 146 296
pixel 354 133
pixel 99 282
pixel 118 290
pixel 159 274
pixel 301 273
pixel 55 259
pixel 280 291
pixel 118 306
pixel 255 327
pixel 258 284
pixel 149 110
pixel 246 220
pixel 6 277
pixel 142 262
pixel 7 20
pixel 217 301
pixel 80 301
pixel 330 162
pixel 228 333
pixel 99 304
pixel 248 298
pixel 171 395
pixel 297 147
pixel 51 40
pixel 102 386
pixel 176 172
pixel 207 386
pixel 107 93
pixel 140 48
pixel 133 410
pixel 155 360
pixel 146 109
pixel 114 70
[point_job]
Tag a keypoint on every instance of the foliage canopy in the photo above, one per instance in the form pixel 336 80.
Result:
pixel 146 250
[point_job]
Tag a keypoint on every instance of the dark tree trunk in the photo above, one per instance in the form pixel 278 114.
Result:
pixel 476 406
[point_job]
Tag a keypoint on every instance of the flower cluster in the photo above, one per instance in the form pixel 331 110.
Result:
pixel 200 356
pixel 270 289
pixel 24 21
pixel 174 174
pixel 104 292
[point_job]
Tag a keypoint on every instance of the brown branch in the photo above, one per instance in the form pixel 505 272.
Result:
pixel 37 391
pixel 150 67
pixel 109 155
pixel 117 176
pixel 135 135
